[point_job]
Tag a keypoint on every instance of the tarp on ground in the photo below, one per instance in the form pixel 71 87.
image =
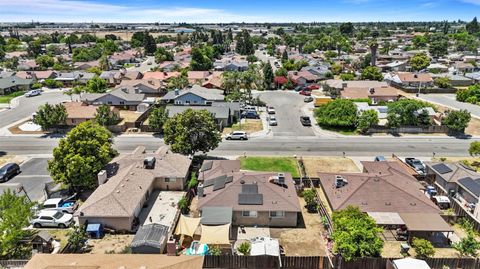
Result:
pixel 187 225
pixel 265 246
pixel 215 235
pixel 409 263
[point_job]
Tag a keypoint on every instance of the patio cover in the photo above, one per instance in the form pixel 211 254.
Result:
pixel 215 235
pixel 425 222
pixel 216 215
pixel 409 263
pixel 386 218
pixel 187 226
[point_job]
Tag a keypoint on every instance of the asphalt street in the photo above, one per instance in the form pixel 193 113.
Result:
pixel 312 146
pixel 27 106
pixel 33 177
pixel 288 109
pixel 449 100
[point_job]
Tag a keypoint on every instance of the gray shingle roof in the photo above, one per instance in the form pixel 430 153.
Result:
pixel 207 94
pixel 219 112
pixel 9 82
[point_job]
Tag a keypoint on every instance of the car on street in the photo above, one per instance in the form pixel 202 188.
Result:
pixel 58 204
pixel 305 92
pixel 137 65
pixel 32 93
pixel 308 99
pixel 8 171
pixel 313 87
pixel 270 110
pixel 416 164
pixel 149 63
pixel 298 88
pixel 272 120
pixel 250 115
pixel 237 135
pixel 305 120
pixel 52 218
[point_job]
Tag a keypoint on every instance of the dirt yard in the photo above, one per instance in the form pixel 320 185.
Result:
pixel 328 165
pixel 117 243
pixel 473 127
pixel 306 241
pixel 391 249
pixel 248 125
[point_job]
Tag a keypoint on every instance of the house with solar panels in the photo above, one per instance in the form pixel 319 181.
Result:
pixel 458 180
pixel 251 198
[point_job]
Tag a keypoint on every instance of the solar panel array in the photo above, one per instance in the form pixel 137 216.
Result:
pixel 250 199
pixel 442 168
pixel 249 188
pixel 219 183
pixel 472 185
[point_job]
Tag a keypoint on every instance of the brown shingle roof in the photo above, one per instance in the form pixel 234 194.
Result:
pixel 275 197
pixel 129 182
pixel 80 110
pixel 411 77
pixel 218 168
pixel 385 187
pixel 365 92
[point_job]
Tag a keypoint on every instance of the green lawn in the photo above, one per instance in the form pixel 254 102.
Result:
pixel 5 99
pixel 271 164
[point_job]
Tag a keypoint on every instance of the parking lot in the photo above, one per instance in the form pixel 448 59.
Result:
pixel 33 177
pixel 288 108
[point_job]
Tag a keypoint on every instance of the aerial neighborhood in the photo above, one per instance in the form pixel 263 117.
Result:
pixel 240 145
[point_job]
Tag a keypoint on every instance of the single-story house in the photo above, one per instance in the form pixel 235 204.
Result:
pixel 410 80
pixel 113 77
pixel 255 198
pixel 127 183
pixel 455 80
pixel 302 77
pixel 197 77
pixel 386 94
pixel 86 65
pixel 214 81
pixel 149 87
pixel 68 79
pixel 78 112
pixel 196 95
pixel 14 83
pixel 222 114
pixel 334 86
pixel 121 97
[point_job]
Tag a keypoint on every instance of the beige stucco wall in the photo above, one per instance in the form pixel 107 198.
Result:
pixel 169 186
pixel 117 223
pixel 263 219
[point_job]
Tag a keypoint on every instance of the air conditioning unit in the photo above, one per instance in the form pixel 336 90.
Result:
pixel 149 163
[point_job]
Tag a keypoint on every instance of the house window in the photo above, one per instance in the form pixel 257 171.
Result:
pixel 168 179
pixel 249 214
pixel 187 102
pixel 122 102
pixel 178 102
pixel 109 102
pixel 208 103
pixel 277 214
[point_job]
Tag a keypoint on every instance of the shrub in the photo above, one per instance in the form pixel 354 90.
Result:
pixel 244 248
pixel 423 248
pixel 337 113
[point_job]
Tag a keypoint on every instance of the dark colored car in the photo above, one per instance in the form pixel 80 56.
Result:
pixel 305 120
pixel 8 171
pixel 250 115
pixel 298 88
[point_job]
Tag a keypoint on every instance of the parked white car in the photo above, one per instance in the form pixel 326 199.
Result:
pixel 32 93
pixel 272 120
pixel 52 218
pixel 60 205
pixel 237 135
pixel 270 110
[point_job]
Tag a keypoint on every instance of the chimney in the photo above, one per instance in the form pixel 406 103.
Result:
pixel 177 92
pixel 102 177
pixel 200 190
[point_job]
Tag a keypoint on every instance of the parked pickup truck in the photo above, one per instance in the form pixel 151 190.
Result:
pixel 416 164
pixel 58 204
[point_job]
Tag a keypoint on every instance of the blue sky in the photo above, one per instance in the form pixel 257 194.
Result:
pixel 236 11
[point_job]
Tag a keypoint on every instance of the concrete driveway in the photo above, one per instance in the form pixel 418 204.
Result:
pixel 450 101
pixel 27 106
pixel 144 66
pixel 33 177
pixel 288 107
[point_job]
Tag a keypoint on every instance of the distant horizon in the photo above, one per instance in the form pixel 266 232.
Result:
pixel 246 11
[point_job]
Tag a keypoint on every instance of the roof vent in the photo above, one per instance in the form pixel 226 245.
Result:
pixel 415 75
pixel 371 90
pixel 340 181
pixel 149 163
pixel 242 181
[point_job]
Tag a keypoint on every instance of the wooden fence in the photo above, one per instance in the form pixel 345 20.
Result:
pixel 311 262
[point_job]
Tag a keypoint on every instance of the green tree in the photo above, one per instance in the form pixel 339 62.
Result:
pixel 244 43
pixel 179 82
pixel 474 149
pixel 367 119
pixel 346 28
pixel 137 39
pixel 268 76
pixel 336 69
pixel 200 61
pixel 468 246
pixel 457 120
pixel 77 238
pixel 337 113
pixel 191 131
pixel 105 116
pixel 438 47
pixel 96 85
pixel 157 118
pixel 149 44
pixel 443 82
pixel 473 27
pixel 310 198
pixel 420 61
pixel 371 73
pixel 193 181
pixel 355 234
pixel 281 72
pixel 34 48
pixel 162 55
pixel 423 248
pixel 373 45
pixel 347 76
pixel 79 156
pixel 403 112
pixel 49 116
pixel 45 61
pixel 15 214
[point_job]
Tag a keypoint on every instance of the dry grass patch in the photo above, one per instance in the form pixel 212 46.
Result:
pixel 307 241
pixel 328 165
pixel 248 125
pixel 115 243
pixel 391 249
pixel 473 127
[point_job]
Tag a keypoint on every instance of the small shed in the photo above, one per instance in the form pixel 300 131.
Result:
pixel 408 263
pixel 150 239
pixel 42 242
pixel 95 230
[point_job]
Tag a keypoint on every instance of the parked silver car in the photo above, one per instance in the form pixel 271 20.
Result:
pixel 52 218
pixel 272 120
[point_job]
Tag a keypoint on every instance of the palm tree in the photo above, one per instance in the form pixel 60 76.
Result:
pixel 373 44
